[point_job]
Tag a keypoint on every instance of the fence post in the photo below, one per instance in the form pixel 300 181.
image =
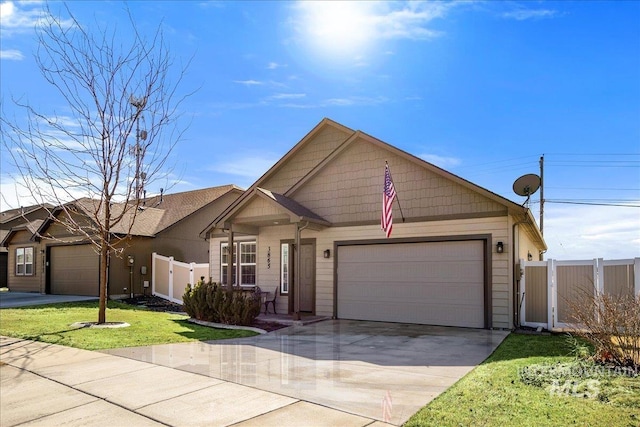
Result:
pixel 636 276
pixel 523 292
pixel 192 267
pixel 170 277
pixel 552 297
pixel 153 273
pixel 598 274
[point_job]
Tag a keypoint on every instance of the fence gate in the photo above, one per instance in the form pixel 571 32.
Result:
pixel 169 278
pixel 549 288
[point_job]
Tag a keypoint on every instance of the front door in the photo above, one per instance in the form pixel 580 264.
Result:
pixel 307 278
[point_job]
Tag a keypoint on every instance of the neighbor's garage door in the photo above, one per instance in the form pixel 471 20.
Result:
pixel 433 283
pixel 74 270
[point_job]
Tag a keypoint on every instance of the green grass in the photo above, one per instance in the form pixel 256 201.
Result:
pixel 494 395
pixel 51 323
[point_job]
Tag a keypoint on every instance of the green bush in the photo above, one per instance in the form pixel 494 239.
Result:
pixel 213 302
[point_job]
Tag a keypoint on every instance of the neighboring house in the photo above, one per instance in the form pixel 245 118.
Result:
pixel 14 218
pixel 319 208
pixel 66 263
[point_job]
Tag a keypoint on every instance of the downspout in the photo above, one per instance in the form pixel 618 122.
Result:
pixel 516 276
pixel 296 306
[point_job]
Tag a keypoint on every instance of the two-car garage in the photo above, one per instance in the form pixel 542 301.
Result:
pixel 429 282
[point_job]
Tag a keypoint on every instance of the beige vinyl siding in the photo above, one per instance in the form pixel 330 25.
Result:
pixel 257 208
pixel 308 156
pixel 271 236
pixel 348 190
pixel 497 227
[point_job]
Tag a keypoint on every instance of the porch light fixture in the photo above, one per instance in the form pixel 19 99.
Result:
pixel 327 253
pixel 500 247
pixel 529 256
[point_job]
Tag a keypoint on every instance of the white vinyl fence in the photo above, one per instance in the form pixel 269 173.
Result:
pixel 549 288
pixel 169 277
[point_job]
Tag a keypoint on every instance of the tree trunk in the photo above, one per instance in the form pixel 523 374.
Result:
pixel 104 266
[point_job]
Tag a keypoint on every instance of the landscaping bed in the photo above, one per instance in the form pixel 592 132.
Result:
pixel 155 303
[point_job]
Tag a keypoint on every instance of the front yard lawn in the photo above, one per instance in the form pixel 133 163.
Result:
pixel 51 323
pixel 494 394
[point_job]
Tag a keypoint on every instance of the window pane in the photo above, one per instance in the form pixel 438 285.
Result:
pixel 28 269
pixel 28 255
pixel 248 253
pixel 248 275
pixel 20 261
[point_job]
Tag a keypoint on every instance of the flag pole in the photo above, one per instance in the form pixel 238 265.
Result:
pixel 394 184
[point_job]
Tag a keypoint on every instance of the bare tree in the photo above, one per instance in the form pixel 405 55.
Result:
pixel 114 137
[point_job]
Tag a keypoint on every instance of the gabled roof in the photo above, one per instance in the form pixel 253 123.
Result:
pixel 161 212
pixel 155 214
pixel 292 207
pixel 11 214
pixel 31 226
pixel 513 208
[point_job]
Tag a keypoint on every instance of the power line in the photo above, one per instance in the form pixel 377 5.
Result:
pixel 592 189
pixel 570 202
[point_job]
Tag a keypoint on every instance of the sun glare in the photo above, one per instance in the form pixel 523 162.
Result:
pixel 341 29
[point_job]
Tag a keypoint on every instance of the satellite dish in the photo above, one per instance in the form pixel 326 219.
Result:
pixel 526 185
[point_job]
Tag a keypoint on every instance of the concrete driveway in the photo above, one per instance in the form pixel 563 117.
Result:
pixel 380 371
pixel 25 299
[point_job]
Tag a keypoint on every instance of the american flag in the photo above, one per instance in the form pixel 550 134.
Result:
pixel 388 194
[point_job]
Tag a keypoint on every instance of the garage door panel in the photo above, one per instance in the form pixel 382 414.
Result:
pixel 440 283
pixel 74 270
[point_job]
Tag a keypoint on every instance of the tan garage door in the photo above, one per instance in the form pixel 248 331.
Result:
pixel 74 270
pixel 434 283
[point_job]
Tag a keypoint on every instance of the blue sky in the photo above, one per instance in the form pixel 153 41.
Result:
pixel 482 89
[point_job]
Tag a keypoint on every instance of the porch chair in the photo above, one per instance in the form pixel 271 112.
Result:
pixel 271 301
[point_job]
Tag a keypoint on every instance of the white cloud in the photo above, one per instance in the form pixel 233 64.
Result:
pixel 23 17
pixel 354 100
pixel 249 167
pixel 524 14
pixel 275 65
pixel 249 82
pixel 442 161
pixel 288 96
pixel 11 55
pixel 587 232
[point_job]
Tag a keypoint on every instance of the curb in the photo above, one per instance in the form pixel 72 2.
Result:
pixel 224 326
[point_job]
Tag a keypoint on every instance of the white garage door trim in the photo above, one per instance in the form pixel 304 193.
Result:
pixel 402 280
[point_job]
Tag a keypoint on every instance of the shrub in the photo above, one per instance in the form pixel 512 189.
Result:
pixel 213 302
pixel 612 324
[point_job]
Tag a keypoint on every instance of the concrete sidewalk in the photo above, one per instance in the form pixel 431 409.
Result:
pixel 47 384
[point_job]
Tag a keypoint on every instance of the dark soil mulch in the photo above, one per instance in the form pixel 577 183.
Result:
pixel 159 304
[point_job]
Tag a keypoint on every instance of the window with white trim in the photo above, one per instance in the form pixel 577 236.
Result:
pixel 24 261
pixel 247 266
pixel 284 268
pixel 248 263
